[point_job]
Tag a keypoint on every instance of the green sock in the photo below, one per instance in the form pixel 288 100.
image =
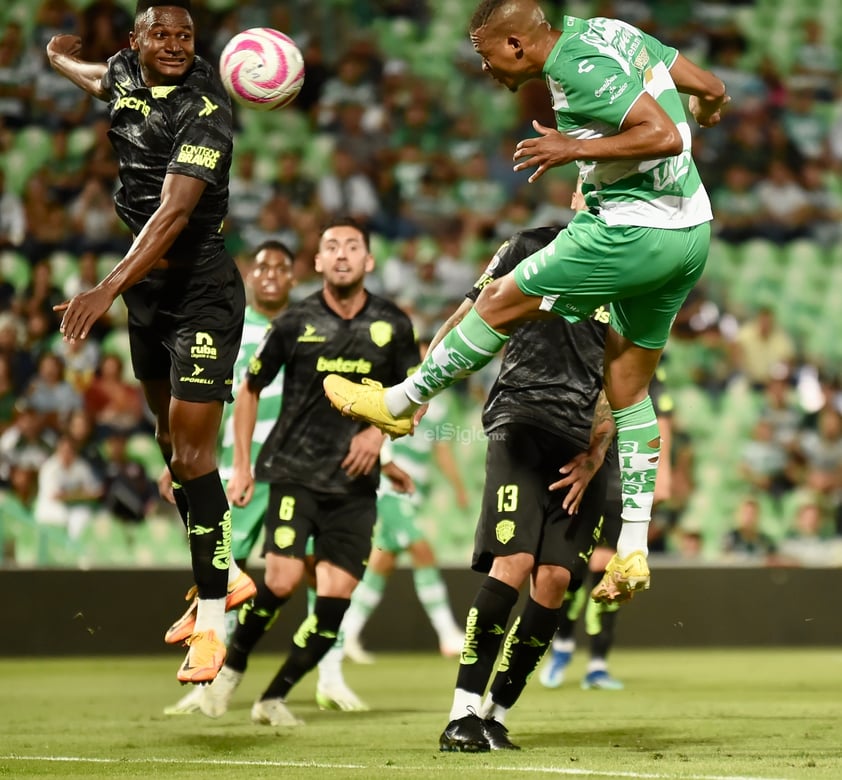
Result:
pixel 639 444
pixel 464 350
pixel 367 595
pixel 432 593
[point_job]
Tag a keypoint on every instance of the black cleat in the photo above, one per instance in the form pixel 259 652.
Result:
pixel 497 735
pixel 465 735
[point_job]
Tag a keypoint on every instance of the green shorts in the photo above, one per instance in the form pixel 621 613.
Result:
pixel 396 529
pixel 247 522
pixel 644 273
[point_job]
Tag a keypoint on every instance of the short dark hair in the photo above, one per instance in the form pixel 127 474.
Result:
pixel 346 221
pixel 274 245
pixel 484 11
pixel 144 5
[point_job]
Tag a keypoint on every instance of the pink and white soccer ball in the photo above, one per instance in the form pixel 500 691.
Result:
pixel 262 68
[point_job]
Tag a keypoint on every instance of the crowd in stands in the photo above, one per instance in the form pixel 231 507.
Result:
pixel 397 126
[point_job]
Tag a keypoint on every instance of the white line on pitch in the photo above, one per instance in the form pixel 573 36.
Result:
pixel 551 770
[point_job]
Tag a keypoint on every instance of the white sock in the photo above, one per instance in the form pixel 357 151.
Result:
pixel 330 667
pixel 234 571
pixel 465 703
pixel 564 645
pixel 398 401
pixel 492 710
pixel 634 537
pixel 597 665
pixel 211 615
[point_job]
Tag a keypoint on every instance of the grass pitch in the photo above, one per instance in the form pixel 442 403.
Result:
pixel 705 714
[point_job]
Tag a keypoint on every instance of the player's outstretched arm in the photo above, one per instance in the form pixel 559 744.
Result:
pixel 63 53
pixel 707 92
pixel 179 197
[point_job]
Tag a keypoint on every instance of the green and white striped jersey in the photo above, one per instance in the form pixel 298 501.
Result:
pixel 269 406
pixel 596 72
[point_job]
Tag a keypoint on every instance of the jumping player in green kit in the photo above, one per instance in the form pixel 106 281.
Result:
pixel 641 243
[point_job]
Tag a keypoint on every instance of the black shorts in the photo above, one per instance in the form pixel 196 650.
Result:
pixel 520 514
pixel 341 525
pixel 187 328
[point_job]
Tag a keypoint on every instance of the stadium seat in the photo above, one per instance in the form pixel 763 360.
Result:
pixel 14 268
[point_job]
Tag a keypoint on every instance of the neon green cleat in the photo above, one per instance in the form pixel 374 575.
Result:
pixel 623 578
pixel 365 402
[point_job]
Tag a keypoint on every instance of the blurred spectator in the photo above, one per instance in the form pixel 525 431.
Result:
pixel 65 175
pixel 67 490
pixel 95 223
pixel 346 190
pixel 761 347
pixel 317 75
pixel 351 83
pixel 50 394
pixel 17 77
pixel 56 102
pixel 274 222
pixel 8 393
pixel 53 17
pixel 113 403
pixel 809 541
pixel 80 428
pixel 817 61
pixel 433 204
pixel 365 144
pixel 764 464
pixel 739 214
pixel 785 201
pixel 780 408
pixel 478 197
pixel 746 541
pixel 292 182
pixel 42 294
pixel 806 124
pixel 21 364
pixel 822 452
pixel 825 205
pixel 105 27
pixel 80 358
pixel 248 194
pixel 26 442
pixel 128 494
pixel 85 278
pixel 18 502
pixel 554 206
pixel 12 217
pixel 47 224
pixel 100 160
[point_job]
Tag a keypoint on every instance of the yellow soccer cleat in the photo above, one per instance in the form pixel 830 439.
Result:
pixel 204 659
pixel 239 591
pixel 365 402
pixel 622 579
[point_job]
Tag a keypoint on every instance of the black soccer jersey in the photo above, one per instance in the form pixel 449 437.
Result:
pixel 552 370
pixel 185 129
pixel 310 439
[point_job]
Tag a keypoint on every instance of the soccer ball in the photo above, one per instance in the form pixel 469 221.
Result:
pixel 262 68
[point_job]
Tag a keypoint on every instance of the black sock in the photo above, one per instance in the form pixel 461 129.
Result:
pixel 484 631
pixel 178 494
pixel 254 620
pixel 315 636
pixel 525 646
pixel 602 642
pixel 209 534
